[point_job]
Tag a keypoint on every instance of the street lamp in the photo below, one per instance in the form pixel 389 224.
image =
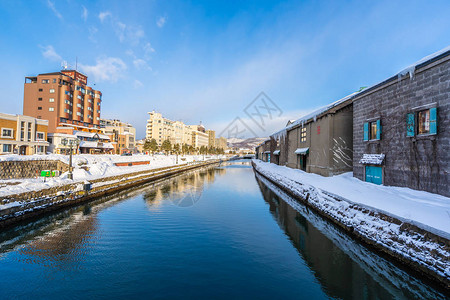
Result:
pixel 71 143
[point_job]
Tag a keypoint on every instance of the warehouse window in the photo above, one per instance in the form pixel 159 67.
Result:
pixel 303 135
pixel 372 130
pixel 422 122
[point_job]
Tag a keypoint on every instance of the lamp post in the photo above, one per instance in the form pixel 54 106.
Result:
pixel 71 143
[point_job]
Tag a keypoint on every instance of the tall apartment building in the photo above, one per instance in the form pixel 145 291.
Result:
pixel 161 129
pixel 22 135
pixel 211 138
pixel 199 136
pixel 63 98
pixel 122 135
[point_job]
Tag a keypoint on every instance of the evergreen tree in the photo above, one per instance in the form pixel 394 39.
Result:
pixel 166 146
pixel 153 145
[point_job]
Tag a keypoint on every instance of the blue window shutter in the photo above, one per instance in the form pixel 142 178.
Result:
pixel 410 124
pixel 378 129
pixel 433 120
pixel 366 131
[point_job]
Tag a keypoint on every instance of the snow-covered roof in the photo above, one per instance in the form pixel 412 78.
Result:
pixel 267 152
pixel 408 70
pixel 88 144
pixel 372 159
pixel 276 152
pixel 302 150
pixel 103 136
pixel 85 134
pixel 312 115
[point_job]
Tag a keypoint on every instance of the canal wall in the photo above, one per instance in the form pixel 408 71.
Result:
pixel 15 169
pixel 32 204
pixel 421 251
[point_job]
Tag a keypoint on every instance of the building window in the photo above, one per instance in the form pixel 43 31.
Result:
pixel 6 148
pixel 372 130
pixel 45 80
pixel 40 90
pixel 51 109
pixel 39 107
pixel 40 149
pixel 51 100
pixel 422 122
pixel 54 80
pixel 40 136
pixel 7 133
pixel 303 135
pixel 52 91
pixel 66 110
pixel 39 99
pixel 78 114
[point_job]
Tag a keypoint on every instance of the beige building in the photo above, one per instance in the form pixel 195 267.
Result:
pixel 122 135
pixel 23 135
pixel 199 136
pixel 161 129
pixel 211 138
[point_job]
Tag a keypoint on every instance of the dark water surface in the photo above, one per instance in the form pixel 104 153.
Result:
pixel 217 233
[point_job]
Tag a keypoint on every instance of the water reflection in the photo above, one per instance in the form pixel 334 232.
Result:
pixel 184 190
pixel 344 268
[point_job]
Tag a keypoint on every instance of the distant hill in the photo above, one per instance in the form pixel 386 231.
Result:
pixel 249 143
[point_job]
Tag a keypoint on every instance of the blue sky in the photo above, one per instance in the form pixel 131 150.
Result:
pixel 206 60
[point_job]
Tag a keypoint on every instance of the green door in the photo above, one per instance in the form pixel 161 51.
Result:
pixel 374 174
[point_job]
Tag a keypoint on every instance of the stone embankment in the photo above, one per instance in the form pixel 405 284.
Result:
pixel 16 169
pixel 421 251
pixel 31 204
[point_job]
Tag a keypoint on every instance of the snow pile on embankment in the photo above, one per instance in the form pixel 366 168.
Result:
pixel 375 223
pixel 89 167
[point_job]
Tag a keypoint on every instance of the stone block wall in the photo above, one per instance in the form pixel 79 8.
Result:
pixel 420 162
pixel 29 168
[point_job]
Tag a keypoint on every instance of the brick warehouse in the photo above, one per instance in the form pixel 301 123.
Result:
pixel 401 128
pixel 399 131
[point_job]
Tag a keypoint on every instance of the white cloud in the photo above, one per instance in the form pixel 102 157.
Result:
pixel 51 5
pixel 103 15
pixel 141 64
pixel 84 15
pixel 137 84
pixel 148 49
pixel 92 31
pixel 128 33
pixel 105 69
pixel 161 21
pixel 49 53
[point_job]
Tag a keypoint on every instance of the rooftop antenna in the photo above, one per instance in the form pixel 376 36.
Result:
pixel 76 63
pixel 64 65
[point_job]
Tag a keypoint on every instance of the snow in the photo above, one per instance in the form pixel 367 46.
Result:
pixel 412 68
pixel 372 159
pixel 426 210
pixel 98 166
pixel 362 208
pixel 301 150
pixel 276 152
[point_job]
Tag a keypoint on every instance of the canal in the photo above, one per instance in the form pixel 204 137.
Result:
pixel 219 233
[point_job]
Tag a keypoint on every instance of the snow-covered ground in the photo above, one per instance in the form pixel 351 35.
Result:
pixel 426 210
pixel 89 167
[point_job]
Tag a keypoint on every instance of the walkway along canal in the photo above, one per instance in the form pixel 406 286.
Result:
pixel 216 232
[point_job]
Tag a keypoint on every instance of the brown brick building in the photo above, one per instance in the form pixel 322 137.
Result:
pixel 63 98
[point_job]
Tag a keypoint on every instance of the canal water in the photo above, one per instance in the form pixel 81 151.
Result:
pixel 215 233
